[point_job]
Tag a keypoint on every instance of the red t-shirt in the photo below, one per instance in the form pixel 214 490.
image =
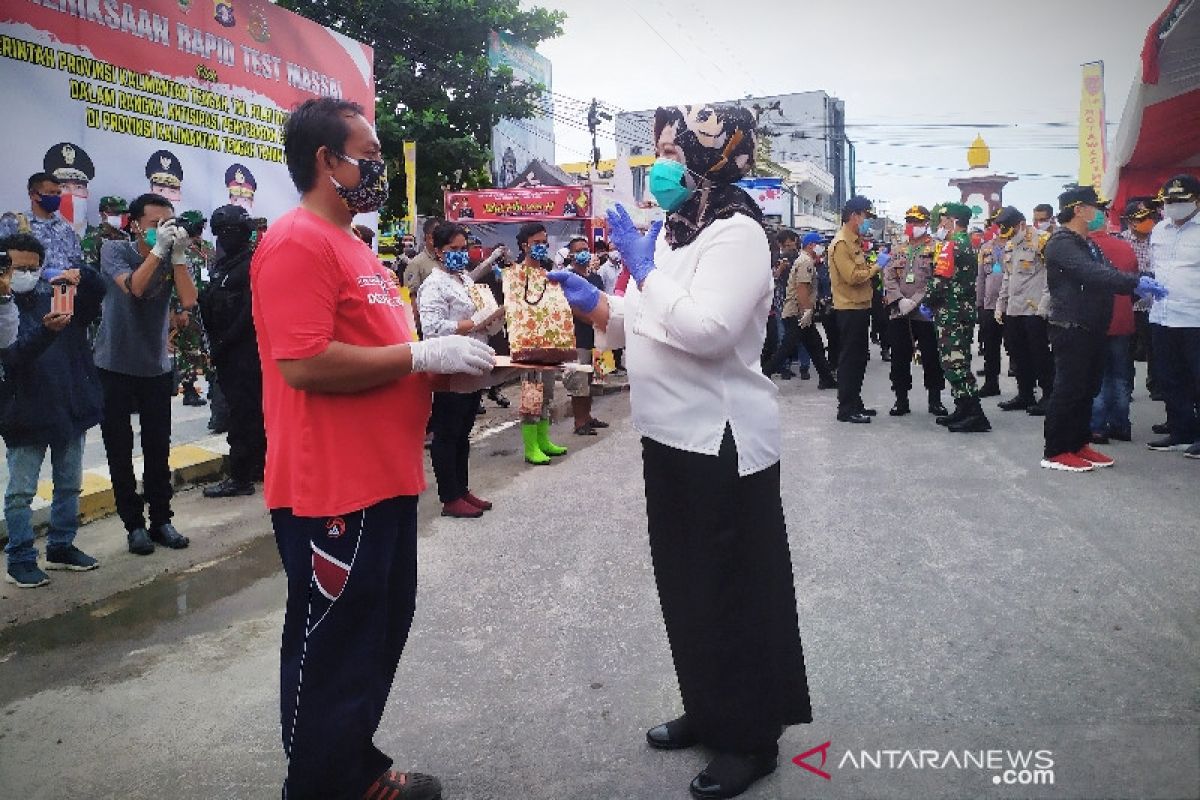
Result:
pixel 313 283
pixel 1121 254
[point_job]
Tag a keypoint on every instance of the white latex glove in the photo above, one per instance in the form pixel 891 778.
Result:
pixel 906 306
pixel 179 249
pixel 165 239
pixel 999 316
pixel 447 355
pixel 806 318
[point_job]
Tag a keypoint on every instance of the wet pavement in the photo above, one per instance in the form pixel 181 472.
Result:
pixel 953 595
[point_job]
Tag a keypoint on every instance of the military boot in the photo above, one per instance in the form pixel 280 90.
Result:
pixel 974 421
pixel 901 408
pixel 959 413
pixel 935 404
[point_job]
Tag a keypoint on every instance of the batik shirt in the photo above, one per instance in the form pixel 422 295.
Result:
pixel 63 250
pixel 1141 249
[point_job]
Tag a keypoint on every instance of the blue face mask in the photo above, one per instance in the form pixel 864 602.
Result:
pixel 49 202
pixel 865 228
pixel 666 184
pixel 583 258
pixel 540 251
pixel 456 260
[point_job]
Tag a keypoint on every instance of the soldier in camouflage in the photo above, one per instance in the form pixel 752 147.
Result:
pixel 188 342
pixel 112 222
pixel 951 295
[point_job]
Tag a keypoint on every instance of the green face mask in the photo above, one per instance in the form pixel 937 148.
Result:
pixel 666 184
pixel 1097 222
pixel 151 237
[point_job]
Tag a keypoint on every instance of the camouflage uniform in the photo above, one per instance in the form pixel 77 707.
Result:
pixel 94 236
pixel 951 295
pixel 189 344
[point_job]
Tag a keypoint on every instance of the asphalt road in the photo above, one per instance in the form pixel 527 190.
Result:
pixel 954 599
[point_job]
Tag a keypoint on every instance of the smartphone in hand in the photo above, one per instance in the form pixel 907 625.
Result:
pixel 62 299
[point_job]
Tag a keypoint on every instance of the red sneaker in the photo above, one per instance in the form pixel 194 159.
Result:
pixel 393 785
pixel 1094 457
pixel 461 508
pixel 1068 462
pixel 480 503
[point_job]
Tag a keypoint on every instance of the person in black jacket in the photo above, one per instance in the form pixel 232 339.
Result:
pixel 233 346
pixel 1082 284
pixel 55 398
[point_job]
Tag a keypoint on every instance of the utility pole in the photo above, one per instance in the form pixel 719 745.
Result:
pixel 595 115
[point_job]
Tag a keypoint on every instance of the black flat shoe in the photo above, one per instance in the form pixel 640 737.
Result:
pixel 674 735
pixel 856 418
pixel 595 423
pixel 139 542
pixel 585 429
pixel 167 536
pixel 868 412
pixel 731 774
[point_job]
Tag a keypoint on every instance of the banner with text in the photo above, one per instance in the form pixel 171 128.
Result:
pixel 519 205
pixel 185 98
pixel 517 142
pixel 1093 150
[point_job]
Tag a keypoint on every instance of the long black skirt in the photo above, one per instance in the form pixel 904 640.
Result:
pixel 724 574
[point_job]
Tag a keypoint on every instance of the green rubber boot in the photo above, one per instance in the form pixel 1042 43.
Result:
pixel 543 439
pixel 533 453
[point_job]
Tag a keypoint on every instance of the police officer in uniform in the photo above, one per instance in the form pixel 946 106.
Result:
pixel 1023 307
pixel 905 281
pixel 225 306
pixel 951 295
pixel 112 222
pixel 987 290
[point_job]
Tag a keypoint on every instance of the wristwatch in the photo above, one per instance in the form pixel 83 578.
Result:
pixel 5 299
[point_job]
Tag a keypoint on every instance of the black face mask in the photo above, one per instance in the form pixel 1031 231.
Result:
pixel 234 240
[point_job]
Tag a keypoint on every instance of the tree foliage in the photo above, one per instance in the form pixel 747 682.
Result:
pixel 433 84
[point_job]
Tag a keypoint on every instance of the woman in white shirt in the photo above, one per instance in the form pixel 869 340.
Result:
pixel 446 308
pixel 692 323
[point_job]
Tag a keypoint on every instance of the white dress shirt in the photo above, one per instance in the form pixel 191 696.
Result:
pixel 1175 253
pixel 693 338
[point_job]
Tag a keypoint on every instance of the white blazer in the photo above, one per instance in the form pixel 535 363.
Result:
pixel 693 338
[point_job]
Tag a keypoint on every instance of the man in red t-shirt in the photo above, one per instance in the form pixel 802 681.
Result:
pixel 346 394
pixel 1110 409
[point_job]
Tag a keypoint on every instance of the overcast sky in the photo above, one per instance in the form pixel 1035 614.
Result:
pixel 894 64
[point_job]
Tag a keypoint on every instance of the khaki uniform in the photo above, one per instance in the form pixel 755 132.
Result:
pixel 803 271
pixel 420 268
pixel 1023 288
pixel 850 273
pixel 907 275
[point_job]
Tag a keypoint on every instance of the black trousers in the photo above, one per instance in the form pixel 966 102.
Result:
pixel 793 335
pixel 1079 357
pixel 724 573
pixel 770 343
pixel 352 587
pixel 829 323
pixel 451 422
pixel 1029 348
pixel 853 333
pixel 150 399
pixel 991 336
pixel 901 333
pixel 1178 354
pixel 241 383
pixel 1143 347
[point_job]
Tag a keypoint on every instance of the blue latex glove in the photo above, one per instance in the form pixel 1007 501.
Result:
pixel 636 248
pixel 883 260
pixel 581 295
pixel 925 312
pixel 1147 287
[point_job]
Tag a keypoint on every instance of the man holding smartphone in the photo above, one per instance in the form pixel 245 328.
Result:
pixel 55 399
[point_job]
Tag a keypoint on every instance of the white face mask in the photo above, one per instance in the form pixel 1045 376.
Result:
pixel 114 221
pixel 940 234
pixel 23 281
pixel 1042 226
pixel 919 231
pixel 1178 212
pixel 819 249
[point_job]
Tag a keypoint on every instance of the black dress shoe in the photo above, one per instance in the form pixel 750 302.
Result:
pixel 229 488
pixel 731 774
pixel 854 417
pixel 1018 403
pixel 868 412
pixel 674 735
pixel 1162 428
pixel 824 384
pixel 901 407
pixel 139 542
pixel 167 536
pixel 1036 410
pixel 595 423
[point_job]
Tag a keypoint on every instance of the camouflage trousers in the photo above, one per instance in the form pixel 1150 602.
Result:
pixel 954 347
pixel 190 350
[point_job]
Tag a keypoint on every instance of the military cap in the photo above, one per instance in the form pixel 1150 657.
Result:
pixel 991 219
pixel 1008 217
pixel 164 169
pixel 1141 207
pixel 113 204
pixel 240 181
pixel 1081 195
pixel 859 204
pixel 918 213
pixel 69 162
pixel 193 217
pixel 960 212
pixel 1180 189
pixel 228 217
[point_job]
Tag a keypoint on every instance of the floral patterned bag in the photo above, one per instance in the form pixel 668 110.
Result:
pixel 541 329
pixel 532 395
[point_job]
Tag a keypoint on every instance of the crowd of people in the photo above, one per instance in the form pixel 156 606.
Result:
pixel 1073 303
